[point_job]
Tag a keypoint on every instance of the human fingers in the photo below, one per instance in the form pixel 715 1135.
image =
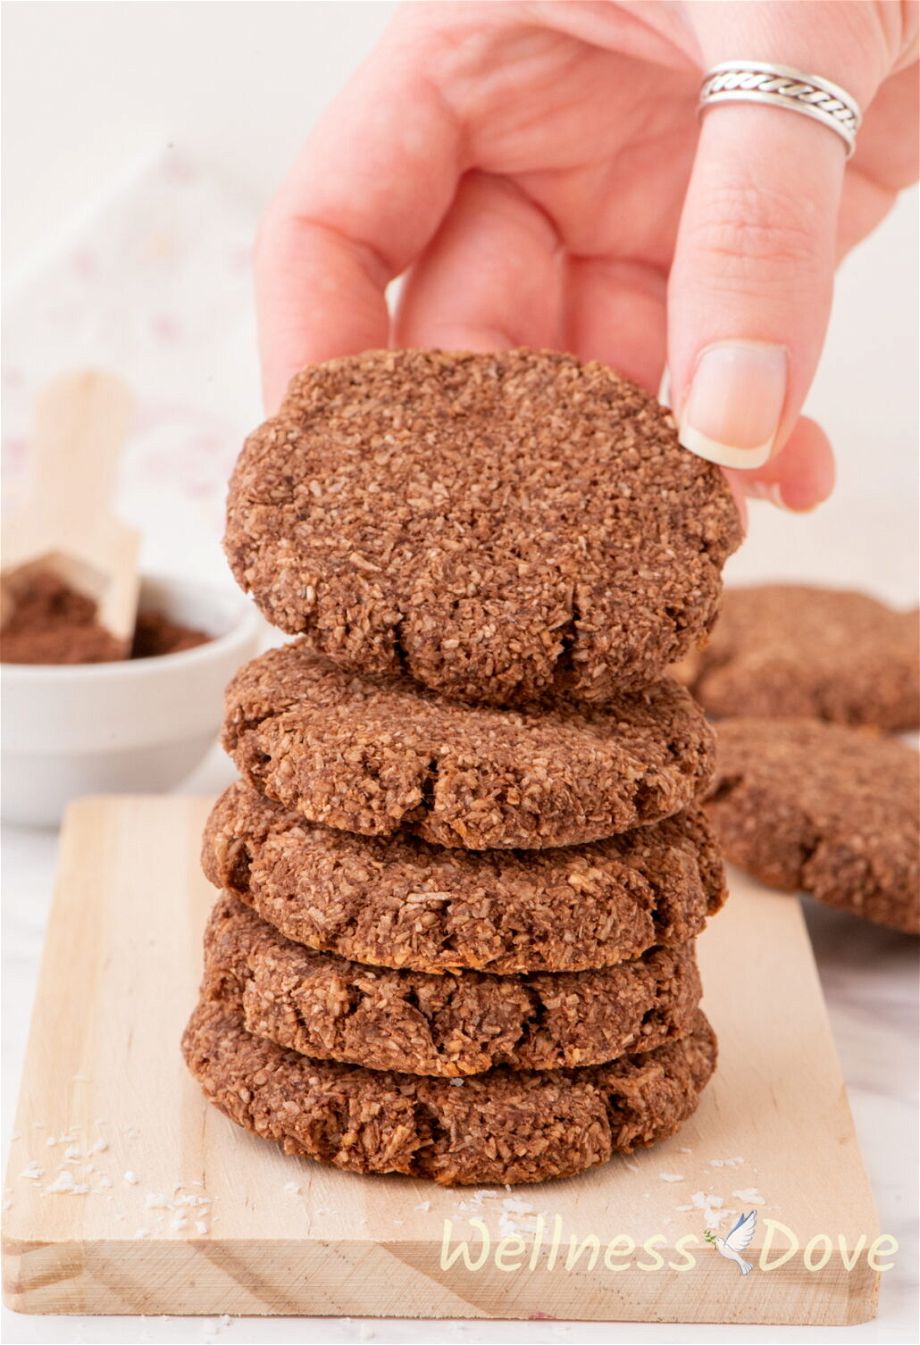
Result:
pixel 491 278
pixel 361 202
pixel 752 279
pixel 799 477
pixel 616 313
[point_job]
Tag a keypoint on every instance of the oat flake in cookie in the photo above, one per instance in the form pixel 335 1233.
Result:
pixel 447 1026
pixel 503 1126
pixel 374 755
pixel 497 526
pixel 830 810
pixel 786 649
pixel 399 902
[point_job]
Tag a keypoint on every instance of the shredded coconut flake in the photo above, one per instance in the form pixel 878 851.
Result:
pixel 480 1196
pixel 64 1185
pixel 750 1194
pixel 525 1222
pixel 710 1205
pixel 517 1206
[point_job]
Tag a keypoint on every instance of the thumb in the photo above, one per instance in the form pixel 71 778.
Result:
pixel 751 285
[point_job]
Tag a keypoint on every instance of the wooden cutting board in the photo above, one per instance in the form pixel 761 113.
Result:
pixel 126 1193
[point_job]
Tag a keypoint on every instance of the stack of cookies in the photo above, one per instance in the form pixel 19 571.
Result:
pixel 464 868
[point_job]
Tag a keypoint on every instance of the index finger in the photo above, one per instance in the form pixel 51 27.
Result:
pixel 362 201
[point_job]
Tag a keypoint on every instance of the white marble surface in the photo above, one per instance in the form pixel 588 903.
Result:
pixel 173 86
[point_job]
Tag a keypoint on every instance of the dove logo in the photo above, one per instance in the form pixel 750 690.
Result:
pixel 738 1241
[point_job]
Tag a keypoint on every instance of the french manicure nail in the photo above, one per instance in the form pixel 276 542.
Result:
pixel 767 490
pixel 773 491
pixel 732 413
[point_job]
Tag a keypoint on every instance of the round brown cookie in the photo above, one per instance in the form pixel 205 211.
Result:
pixel 497 526
pixel 830 810
pixel 399 902
pixel 784 649
pixel 374 755
pixel 331 1009
pixel 503 1126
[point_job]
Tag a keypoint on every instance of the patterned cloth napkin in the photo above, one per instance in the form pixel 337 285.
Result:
pixel 155 286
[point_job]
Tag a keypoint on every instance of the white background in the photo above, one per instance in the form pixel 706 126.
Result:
pixel 90 90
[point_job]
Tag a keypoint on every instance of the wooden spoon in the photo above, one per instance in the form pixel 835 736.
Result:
pixel 68 526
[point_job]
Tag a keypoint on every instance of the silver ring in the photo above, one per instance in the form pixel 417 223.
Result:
pixel 782 86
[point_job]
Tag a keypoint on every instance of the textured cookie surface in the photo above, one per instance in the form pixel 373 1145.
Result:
pixel 827 809
pixel 789 650
pixel 503 1126
pixel 374 755
pixel 332 1009
pixel 495 525
pixel 399 902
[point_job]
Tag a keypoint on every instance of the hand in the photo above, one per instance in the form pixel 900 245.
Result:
pixel 539 173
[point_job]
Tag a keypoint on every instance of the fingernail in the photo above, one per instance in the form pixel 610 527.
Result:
pixel 768 490
pixel 664 392
pixel 773 491
pixel 731 415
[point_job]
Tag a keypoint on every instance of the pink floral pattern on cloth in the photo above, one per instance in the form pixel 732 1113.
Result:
pixel 154 286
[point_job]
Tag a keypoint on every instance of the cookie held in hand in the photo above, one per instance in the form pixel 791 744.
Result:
pixel 497 526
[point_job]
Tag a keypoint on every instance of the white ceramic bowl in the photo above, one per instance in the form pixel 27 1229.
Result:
pixel 133 727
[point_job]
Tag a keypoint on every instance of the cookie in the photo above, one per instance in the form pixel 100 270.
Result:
pixel 785 649
pixel 376 755
pixel 331 1009
pixel 825 809
pixel 496 526
pixel 399 902
pixel 503 1126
